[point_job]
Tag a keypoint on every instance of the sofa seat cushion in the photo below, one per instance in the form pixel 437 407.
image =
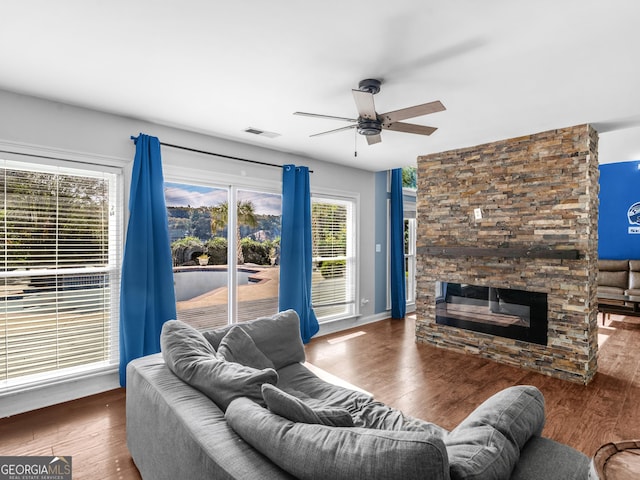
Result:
pixel 278 337
pixel 366 412
pixel 319 452
pixel 610 289
pixel 192 358
pixel 487 444
pixel 632 291
pixel 377 415
pixel 293 408
pixel 298 380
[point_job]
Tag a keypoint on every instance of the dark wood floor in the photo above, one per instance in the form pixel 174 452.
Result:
pixel 383 358
pixel 443 387
pixel 91 430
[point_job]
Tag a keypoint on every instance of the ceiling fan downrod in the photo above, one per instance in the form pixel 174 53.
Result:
pixel 369 85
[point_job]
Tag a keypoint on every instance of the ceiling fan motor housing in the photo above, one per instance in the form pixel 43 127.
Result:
pixel 369 127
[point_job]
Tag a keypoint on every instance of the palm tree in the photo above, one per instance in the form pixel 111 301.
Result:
pixel 245 216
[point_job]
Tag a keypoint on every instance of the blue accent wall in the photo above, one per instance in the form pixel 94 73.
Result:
pixel 619 211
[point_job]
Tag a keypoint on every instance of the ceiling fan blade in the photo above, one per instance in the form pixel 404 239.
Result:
pixel 410 112
pixel 373 139
pixel 410 128
pixel 328 117
pixel 364 104
pixel 349 127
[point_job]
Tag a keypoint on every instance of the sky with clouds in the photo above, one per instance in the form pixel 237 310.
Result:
pixel 182 195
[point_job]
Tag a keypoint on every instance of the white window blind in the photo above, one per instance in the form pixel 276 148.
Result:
pixel 410 258
pixel 60 271
pixel 333 237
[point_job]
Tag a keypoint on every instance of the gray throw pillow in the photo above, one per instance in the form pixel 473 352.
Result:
pixel 278 337
pixel 486 445
pixel 192 358
pixel 319 452
pixel 294 409
pixel 237 346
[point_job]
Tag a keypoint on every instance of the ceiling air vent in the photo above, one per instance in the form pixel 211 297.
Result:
pixel 262 133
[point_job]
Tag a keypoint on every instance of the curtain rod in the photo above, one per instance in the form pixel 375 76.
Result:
pixel 204 152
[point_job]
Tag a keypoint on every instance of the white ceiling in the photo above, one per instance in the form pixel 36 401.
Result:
pixel 502 68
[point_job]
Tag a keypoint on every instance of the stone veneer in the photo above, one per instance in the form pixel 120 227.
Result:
pixel 534 191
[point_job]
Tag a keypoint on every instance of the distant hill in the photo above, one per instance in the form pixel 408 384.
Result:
pixel 196 222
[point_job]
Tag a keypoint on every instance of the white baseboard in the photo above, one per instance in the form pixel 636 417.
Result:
pixel 52 394
pixel 344 324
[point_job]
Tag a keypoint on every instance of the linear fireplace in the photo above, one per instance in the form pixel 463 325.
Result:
pixel 504 312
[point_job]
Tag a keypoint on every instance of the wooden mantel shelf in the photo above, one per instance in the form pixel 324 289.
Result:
pixel 505 252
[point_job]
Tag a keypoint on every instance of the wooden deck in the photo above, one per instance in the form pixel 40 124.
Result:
pixel 213 316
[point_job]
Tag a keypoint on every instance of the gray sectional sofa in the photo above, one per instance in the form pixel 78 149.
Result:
pixel 618 277
pixel 238 403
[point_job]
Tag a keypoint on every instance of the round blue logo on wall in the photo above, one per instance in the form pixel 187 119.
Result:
pixel 634 214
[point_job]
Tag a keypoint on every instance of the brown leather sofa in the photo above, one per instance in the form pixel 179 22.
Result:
pixel 618 277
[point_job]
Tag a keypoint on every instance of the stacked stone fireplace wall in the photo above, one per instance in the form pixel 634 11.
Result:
pixel 537 193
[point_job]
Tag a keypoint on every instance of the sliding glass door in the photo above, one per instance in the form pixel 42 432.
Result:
pixel 198 233
pixel 215 248
pixel 257 234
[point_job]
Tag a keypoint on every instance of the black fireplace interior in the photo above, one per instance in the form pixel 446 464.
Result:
pixel 503 312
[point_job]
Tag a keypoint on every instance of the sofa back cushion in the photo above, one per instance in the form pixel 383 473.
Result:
pixel 278 337
pixel 613 265
pixel 634 274
pixel 618 279
pixel 192 358
pixel 320 452
pixel 237 346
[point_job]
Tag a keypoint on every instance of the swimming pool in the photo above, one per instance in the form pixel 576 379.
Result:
pixel 194 282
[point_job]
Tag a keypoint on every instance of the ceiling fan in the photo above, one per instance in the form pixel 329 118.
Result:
pixel 370 124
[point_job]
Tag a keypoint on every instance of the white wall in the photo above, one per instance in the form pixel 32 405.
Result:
pixel 27 122
pixel 619 145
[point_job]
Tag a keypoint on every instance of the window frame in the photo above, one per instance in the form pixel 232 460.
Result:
pixel 352 257
pixel 410 261
pixel 34 159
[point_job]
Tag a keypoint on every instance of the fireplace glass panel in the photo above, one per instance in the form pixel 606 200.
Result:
pixel 505 312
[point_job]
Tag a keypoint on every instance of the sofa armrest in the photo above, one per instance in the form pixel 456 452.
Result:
pixel 486 445
pixel 174 431
pixel 548 459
